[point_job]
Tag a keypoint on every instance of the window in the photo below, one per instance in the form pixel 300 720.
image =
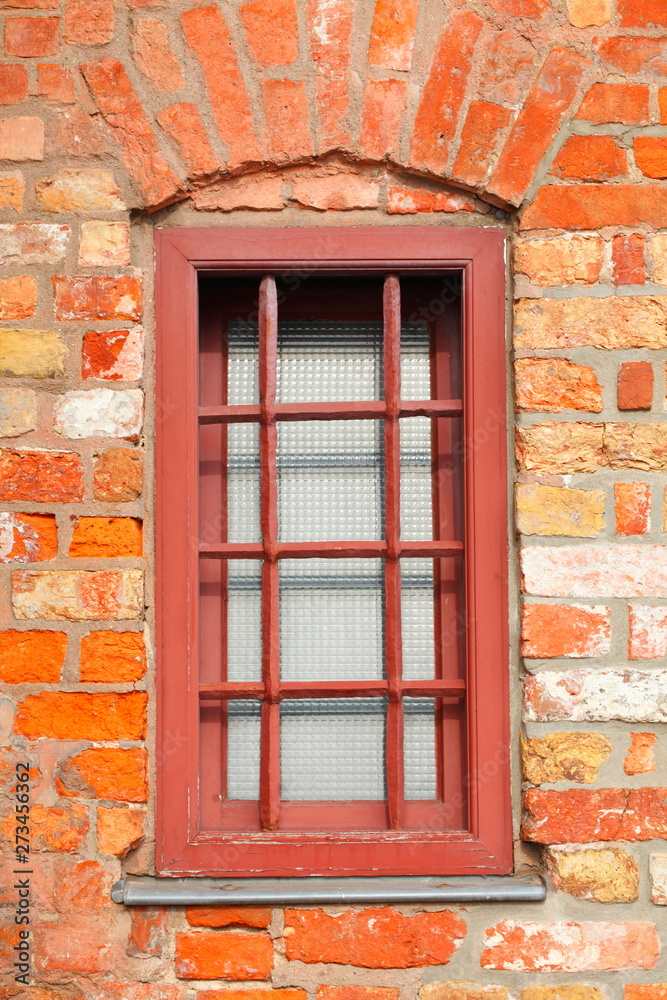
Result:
pixel 331 552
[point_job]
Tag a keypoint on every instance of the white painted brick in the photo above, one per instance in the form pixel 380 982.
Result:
pixel 100 413
pixel 596 696
pixel 595 570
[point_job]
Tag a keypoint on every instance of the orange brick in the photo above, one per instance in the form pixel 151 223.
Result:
pixel 384 105
pixel 227 916
pixel 551 630
pixel 272 31
pixel 34 657
pixel 373 938
pixel 206 32
pixel 182 122
pixel 154 57
pixel 410 201
pixel 553 384
pixel 590 158
pixel 651 155
pixel 101 773
pixel 484 129
pixel 40 476
pixel 246 192
pixel 250 994
pixel 32 37
pixel 26 538
pixel 88 22
pixel 338 192
pixel 662 103
pixel 62 715
pixel 13 83
pixel 82 885
pixel 521 8
pixel 507 67
pixel 628 259
pixel 99 297
pixel 632 507
pixel 640 757
pixel 635 385
pixel 124 113
pixel 444 90
pixel 218 955
pixel 393 33
pixel 112 657
pixel 21 139
pixel 632 54
pixel 113 355
pixel 53 828
pixel 106 538
pixel 606 103
pixel 287 116
pixel 120 829
pixel 55 83
pixel 538 122
pixel 149 933
pixel 642 13
pixel 358 993
pixel 18 297
pixel 592 206
pixel 646 991
pixel 117 474
pixel 330 31
pixel 582 816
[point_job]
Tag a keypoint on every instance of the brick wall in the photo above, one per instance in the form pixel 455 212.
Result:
pixel 546 117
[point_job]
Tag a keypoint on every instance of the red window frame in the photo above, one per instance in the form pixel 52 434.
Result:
pixel 485 844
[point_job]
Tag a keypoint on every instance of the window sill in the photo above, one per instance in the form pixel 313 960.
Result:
pixel 317 890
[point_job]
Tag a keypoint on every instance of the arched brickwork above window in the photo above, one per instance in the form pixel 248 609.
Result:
pixel 477 95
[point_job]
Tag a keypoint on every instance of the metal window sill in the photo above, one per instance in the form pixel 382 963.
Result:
pixel 318 890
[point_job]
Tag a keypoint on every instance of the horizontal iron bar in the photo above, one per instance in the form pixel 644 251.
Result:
pixel 366 410
pixel 330 550
pixel 285 891
pixel 333 689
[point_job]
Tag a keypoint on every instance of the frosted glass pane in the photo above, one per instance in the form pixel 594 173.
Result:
pixel 329 361
pixel 243 727
pixel 244 620
pixel 243 483
pixel 333 749
pixel 416 480
pixel 331 619
pixel 415 361
pixel 243 363
pixel 330 480
pixel 419 737
pixel 417 619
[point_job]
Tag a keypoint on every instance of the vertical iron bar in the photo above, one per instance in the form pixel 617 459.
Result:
pixel 392 567
pixel 269 775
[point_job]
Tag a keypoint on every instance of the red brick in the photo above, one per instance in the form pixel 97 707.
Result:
pixel 336 192
pixel 62 715
pixel 484 129
pixel 593 206
pixel 287 117
pixel 550 630
pixel 590 158
pixel 32 37
pixel 628 259
pixel 112 355
pixel 537 124
pixel 444 91
pixel 384 106
pixel 633 54
pixel 252 994
pixel 84 884
pixel 553 384
pixel 137 991
pixel 13 83
pixel 217 955
pixel 112 657
pixel 88 22
pixel 104 773
pixel 635 385
pixel 207 34
pixel 148 935
pixel 153 55
pixel 97 298
pixel 632 508
pixel 580 816
pixel 361 993
pixel 651 156
pixel 607 103
pixel 330 31
pixel 33 657
pixel 125 116
pixel 373 939
pixel 80 134
pixel 393 33
pixel 646 991
pixel 523 946
pixel 182 122
pixel 40 476
pixel 21 139
pixel 272 31
pixel 508 67
pixel 410 201
pixel 55 83
pixel 34 4
pixel 118 474
pixel 264 194
pixel 521 8
pixel 640 757
pixel 642 13
pixel 228 916
pixel 53 828
pixel 82 945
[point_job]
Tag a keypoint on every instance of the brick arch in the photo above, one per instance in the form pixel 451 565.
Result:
pixel 470 95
